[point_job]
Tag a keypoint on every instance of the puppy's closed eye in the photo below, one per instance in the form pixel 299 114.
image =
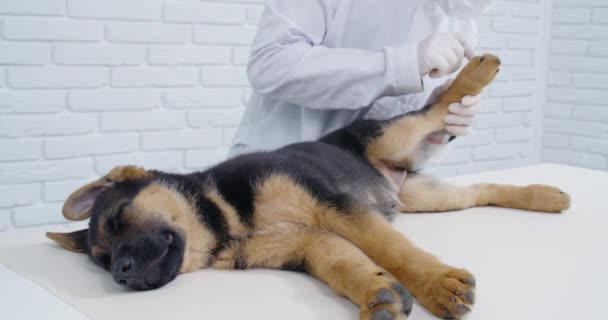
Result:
pixel 114 224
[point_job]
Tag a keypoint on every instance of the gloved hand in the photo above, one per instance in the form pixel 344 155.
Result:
pixel 460 118
pixel 461 115
pixel 442 54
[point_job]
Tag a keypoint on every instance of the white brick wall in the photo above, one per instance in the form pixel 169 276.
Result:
pixel 86 85
pixel 576 112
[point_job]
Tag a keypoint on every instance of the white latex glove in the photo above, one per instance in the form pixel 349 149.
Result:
pixel 461 115
pixel 460 118
pixel 442 54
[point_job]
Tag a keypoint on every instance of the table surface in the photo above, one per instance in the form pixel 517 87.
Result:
pixel 528 266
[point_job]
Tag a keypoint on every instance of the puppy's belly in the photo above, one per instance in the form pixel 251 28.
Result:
pixel 396 176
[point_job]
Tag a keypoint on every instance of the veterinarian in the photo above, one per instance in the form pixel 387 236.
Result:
pixel 317 66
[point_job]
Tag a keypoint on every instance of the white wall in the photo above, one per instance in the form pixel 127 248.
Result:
pixel 89 84
pixel 576 112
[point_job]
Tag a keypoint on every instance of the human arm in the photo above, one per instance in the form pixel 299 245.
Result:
pixel 289 62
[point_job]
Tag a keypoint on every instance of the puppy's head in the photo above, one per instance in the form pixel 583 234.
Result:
pixel 141 230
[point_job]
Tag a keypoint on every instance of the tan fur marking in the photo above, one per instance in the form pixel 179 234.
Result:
pixel 227 258
pixel 236 229
pixel 400 142
pixel 98 250
pixel 126 173
pixel 534 197
pixel 281 206
pixel 157 201
pixel 473 78
pixel 273 250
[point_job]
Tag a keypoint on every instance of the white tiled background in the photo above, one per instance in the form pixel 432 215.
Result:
pixel 576 108
pixel 88 84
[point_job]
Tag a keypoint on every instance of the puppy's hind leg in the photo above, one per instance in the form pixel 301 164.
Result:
pixel 421 193
pixel 397 144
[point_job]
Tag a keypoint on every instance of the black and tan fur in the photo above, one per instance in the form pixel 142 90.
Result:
pixel 319 207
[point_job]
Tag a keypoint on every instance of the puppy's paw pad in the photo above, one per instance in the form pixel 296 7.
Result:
pixel 390 303
pixel 451 295
pixel 382 315
pixel 548 198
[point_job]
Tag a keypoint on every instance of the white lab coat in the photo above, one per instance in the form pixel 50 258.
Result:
pixel 318 65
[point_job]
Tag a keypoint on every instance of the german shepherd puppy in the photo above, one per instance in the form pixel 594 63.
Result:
pixel 318 207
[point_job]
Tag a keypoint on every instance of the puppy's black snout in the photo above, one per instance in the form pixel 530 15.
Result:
pixel 168 237
pixel 125 265
pixel 123 272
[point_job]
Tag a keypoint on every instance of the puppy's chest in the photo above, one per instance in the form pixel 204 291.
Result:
pixel 283 206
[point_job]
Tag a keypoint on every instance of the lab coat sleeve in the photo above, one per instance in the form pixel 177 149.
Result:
pixel 289 63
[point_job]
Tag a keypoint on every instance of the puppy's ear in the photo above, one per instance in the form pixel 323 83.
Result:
pixel 74 241
pixel 79 204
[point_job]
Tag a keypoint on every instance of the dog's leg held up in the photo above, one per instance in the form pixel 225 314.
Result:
pixel 399 143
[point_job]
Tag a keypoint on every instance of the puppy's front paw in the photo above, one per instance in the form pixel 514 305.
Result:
pixel 546 198
pixel 390 303
pixel 476 75
pixel 450 295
